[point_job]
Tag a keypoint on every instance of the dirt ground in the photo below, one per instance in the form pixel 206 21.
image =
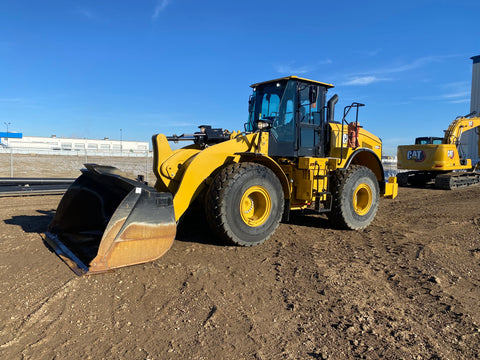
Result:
pixel 407 287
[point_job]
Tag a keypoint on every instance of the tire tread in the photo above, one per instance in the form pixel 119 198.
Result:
pixel 216 193
pixel 338 216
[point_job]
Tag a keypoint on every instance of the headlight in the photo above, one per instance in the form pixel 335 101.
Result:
pixel 263 125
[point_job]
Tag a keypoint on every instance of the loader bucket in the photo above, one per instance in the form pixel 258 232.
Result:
pixel 106 220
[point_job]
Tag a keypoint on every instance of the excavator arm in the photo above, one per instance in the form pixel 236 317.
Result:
pixel 458 127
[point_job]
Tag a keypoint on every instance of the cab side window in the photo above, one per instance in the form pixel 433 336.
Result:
pixel 308 111
pixel 284 125
pixel 270 104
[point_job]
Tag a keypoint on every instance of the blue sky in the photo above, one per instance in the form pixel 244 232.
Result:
pixel 91 68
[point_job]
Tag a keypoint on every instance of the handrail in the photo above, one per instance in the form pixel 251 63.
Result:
pixel 346 110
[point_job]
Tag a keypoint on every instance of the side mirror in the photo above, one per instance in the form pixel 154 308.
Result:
pixel 251 103
pixel 312 95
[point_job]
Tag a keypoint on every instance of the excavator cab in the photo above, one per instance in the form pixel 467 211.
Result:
pixel 428 140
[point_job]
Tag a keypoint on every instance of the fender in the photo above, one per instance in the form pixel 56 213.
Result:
pixel 272 165
pixel 368 158
pixel 197 168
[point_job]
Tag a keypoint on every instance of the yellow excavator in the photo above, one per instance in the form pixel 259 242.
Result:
pixel 438 160
pixel 292 155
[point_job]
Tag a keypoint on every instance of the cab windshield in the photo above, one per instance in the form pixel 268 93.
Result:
pixel 428 141
pixel 272 102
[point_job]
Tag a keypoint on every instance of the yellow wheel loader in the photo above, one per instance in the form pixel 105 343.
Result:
pixel 439 160
pixel 292 155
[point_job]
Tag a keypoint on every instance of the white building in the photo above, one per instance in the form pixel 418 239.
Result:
pixel 53 144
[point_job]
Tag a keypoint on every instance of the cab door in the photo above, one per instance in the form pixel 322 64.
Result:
pixel 310 120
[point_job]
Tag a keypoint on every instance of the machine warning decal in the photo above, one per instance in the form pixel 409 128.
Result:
pixel 450 154
pixel 417 155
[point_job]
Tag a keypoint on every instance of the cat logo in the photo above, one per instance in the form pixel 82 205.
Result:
pixel 417 155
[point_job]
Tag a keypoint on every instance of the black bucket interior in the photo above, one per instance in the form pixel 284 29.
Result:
pixel 85 210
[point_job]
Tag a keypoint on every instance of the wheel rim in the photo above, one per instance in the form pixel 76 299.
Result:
pixel 362 199
pixel 255 206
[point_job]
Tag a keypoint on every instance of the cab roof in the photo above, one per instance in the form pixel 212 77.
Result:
pixel 328 86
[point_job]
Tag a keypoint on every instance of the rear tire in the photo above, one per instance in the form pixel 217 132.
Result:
pixel 355 198
pixel 244 204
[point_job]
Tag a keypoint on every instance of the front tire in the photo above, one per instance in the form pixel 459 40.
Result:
pixel 355 198
pixel 244 204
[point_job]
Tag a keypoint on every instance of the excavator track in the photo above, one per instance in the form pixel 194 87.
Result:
pixel 415 178
pixel 457 180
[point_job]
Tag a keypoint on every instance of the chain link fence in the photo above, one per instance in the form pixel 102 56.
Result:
pixel 390 166
pixel 67 164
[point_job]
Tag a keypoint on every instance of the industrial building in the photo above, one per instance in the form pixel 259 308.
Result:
pixel 37 144
pixel 470 139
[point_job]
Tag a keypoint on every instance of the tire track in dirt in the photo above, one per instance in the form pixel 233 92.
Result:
pixel 404 288
pixel 45 313
pixel 416 282
pixel 371 270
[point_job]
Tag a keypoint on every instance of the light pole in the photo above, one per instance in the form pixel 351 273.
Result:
pixel 7 130
pixel 121 145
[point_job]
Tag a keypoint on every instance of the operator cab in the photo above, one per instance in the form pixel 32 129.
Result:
pixel 293 110
pixel 428 140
